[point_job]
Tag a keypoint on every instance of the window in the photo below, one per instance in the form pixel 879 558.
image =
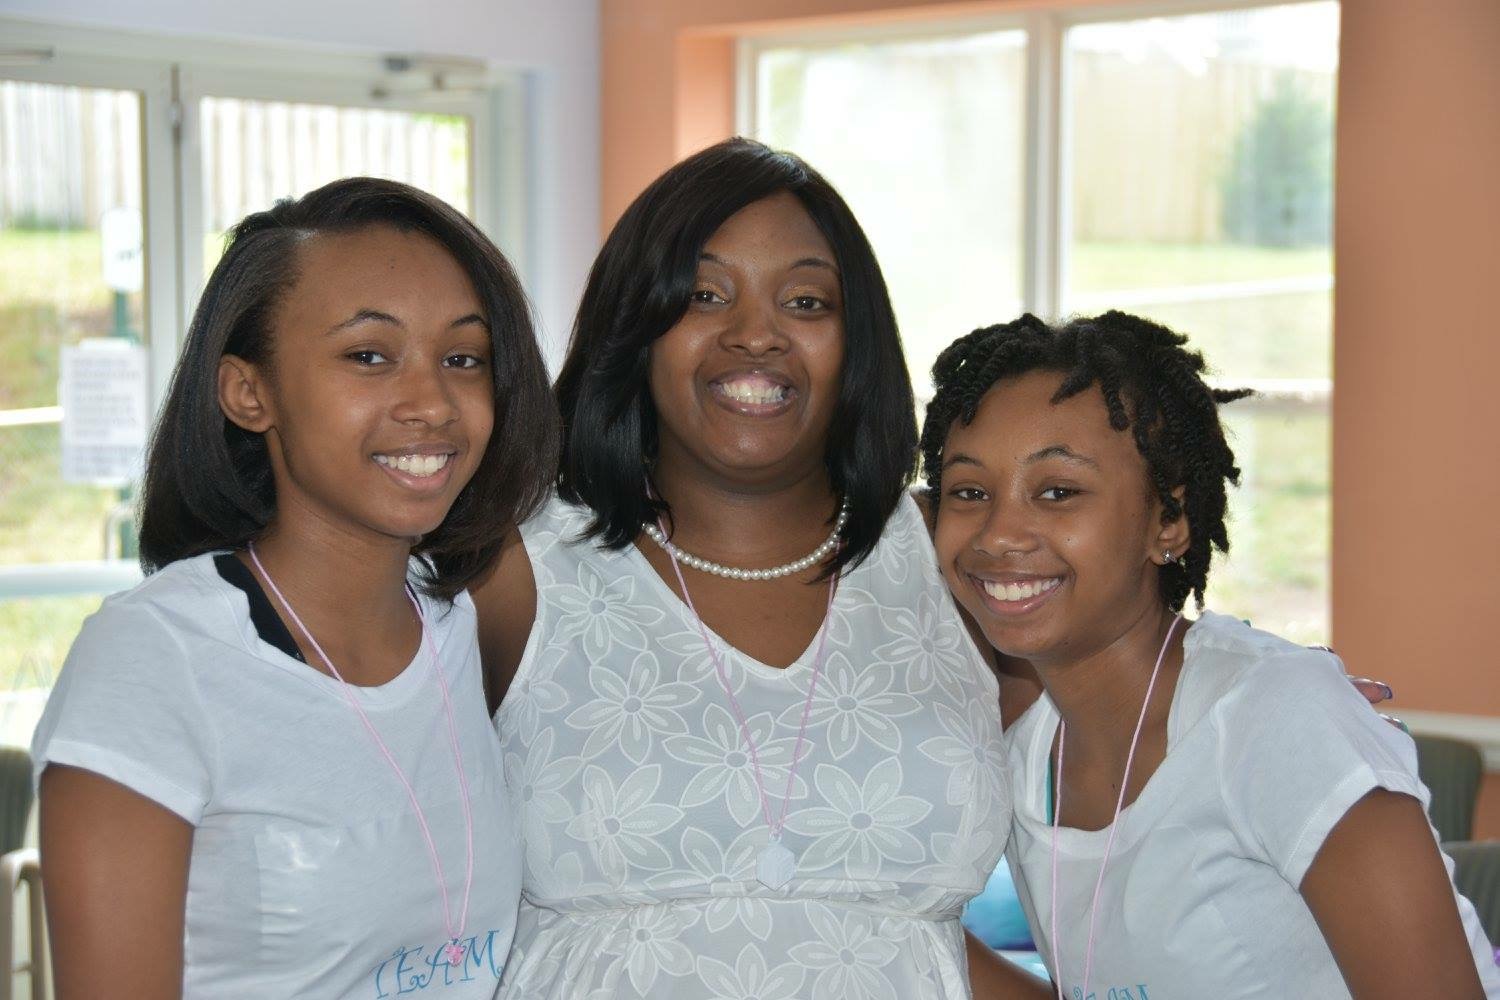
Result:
pixel 1065 163
pixel 895 125
pixel 118 178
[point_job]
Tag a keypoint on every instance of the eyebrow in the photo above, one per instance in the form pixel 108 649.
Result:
pixel 376 316
pixel 799 262
pixel 1061 451
pixel 1051 451
pixel 959 458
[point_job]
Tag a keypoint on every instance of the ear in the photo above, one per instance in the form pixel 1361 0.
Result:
pixel 1175 537
pixel 244 394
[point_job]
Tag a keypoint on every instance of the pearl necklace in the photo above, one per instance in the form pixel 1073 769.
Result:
pixel 817 555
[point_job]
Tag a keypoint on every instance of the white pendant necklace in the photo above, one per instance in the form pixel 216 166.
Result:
pixel 776 864
pixel 658 534
pixel 1114 824
pixel 454 950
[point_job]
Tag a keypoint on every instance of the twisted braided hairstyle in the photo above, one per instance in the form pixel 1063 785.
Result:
pixel 1152 385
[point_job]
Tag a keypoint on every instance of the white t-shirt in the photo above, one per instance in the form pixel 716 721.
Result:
pixel 1268 746
pixel 309 876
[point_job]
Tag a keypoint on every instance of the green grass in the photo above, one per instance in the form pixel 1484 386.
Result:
pixel 35 634
pixel 51 294
pixel 1278 573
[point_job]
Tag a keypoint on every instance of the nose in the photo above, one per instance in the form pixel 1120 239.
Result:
pixel 754 328
pixel 423 396
pixel 1006 531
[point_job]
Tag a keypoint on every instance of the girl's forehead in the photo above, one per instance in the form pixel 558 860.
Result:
pixel 1017 419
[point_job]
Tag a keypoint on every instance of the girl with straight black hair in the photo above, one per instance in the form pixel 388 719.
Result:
pixel 267 770
pixel 209 482
pixel 758 752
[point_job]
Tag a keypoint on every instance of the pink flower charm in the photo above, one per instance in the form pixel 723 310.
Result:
pixel 454 952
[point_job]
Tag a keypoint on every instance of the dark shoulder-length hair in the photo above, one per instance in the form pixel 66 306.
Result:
pixel 639 288
pixel 208 482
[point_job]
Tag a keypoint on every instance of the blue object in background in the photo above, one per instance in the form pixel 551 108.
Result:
pixel 995 915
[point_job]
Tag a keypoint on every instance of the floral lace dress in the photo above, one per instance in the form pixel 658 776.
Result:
pixel 641 818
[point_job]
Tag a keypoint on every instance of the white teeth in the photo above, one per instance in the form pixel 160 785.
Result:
pixel 420 466
pixel 1018 591
pixel 753 392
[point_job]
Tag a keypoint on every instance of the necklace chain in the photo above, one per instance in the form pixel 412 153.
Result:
pixel 769 859
pixel 453 951
pixel 1114 824
pixel 657 533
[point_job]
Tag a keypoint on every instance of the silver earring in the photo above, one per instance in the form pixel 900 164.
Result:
pixel 1168 558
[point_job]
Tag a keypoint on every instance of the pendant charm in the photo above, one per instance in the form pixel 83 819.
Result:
pixel 777 865
pixel 454 952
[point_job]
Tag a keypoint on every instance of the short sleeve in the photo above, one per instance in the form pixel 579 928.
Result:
pixel 126 707
pixel 1299 747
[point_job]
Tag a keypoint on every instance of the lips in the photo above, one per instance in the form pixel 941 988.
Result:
pixel 420 466
pixel 424 465
pixel 1019 591
pixel 753 392
pixel 1013 595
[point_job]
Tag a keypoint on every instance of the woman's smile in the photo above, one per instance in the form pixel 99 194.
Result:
pixel 753 392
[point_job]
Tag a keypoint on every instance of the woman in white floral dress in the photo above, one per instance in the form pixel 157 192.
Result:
pixel 794 794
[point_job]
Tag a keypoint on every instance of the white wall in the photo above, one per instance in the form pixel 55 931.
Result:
pixel 555 41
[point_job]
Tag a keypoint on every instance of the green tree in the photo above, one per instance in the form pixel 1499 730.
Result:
pixel 1278 190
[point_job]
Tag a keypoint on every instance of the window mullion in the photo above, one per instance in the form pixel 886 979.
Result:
pixel 1045 245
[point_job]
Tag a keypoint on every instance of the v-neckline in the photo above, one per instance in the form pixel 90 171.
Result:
pixel 673 600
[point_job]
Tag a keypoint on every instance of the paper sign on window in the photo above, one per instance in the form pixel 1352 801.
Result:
pixel 103 396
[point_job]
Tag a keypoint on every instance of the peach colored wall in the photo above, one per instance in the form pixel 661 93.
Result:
pixel 1416 461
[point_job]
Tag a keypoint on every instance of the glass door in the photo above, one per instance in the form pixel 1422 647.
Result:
pixel 74 369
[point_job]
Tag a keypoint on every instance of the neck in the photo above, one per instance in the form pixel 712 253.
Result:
pixel 1099 695
pixel 747 525
pixel 341 582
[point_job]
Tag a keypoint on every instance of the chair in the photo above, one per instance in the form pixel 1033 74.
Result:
pixel 19 864
pixel 1451 769
pixel 1476 873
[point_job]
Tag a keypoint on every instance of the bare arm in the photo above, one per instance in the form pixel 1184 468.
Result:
pixel 1382 898
pixel 994 978
pixel 505 600
pixel 115 866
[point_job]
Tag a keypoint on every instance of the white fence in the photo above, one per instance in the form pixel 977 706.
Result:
pixel 69 153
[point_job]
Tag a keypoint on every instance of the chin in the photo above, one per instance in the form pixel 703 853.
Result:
pixel 1020 641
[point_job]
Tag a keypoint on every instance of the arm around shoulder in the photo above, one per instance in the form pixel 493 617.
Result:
pixel 115 866
pixel 505 602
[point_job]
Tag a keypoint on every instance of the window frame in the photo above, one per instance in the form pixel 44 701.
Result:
pixel 1047 221
pixel 170 87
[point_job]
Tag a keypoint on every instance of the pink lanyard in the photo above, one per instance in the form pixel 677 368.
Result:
pixel 1114 824
pixel 453 950
pixel 777 863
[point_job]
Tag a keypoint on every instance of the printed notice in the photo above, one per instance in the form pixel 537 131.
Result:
pixel 103 396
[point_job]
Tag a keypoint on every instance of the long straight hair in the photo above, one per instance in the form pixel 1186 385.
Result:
pixel 640 287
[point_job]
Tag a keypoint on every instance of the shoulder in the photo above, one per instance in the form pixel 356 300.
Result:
pixel 1233 668
pixel 179 603
pixel 1287 716
pixel 556 520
